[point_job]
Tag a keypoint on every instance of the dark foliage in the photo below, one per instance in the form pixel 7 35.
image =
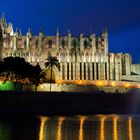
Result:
pixel 16 69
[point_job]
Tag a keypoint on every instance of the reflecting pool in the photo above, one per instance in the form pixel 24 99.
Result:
pixel 96 127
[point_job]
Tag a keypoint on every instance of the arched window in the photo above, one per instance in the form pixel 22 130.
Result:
pixel 63 43
pixel 85 43
pixel 25 43
pixel 74 43
pixel 36 43
pixel 50 43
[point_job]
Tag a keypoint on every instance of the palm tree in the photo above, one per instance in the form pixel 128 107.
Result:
pixel 52 62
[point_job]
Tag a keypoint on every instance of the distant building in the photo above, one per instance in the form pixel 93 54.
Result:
pixel 81 58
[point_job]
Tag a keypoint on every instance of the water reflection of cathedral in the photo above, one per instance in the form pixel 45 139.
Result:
pixel 109 127
pixel 81 58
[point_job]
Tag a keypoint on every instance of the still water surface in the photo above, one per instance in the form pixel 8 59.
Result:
pixel 98 127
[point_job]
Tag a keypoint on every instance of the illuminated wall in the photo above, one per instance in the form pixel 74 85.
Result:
pixel 81 58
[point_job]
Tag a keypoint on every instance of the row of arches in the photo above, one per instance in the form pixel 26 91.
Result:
pixel 63 43
pixel 20 54
pixel 84 57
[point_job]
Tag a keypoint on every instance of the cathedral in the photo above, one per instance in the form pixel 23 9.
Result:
pixel 81 57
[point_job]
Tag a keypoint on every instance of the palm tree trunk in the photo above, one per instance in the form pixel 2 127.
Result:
pixel 51 78
pixel 36 88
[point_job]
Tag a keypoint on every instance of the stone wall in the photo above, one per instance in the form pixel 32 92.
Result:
pixel 78 88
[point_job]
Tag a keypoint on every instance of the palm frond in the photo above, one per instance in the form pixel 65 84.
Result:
pixel 52 62
pixel 47 64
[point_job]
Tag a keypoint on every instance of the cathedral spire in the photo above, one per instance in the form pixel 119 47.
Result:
pixel 105 33
pixel 16 32
pixel 69 33
pixel 57 33
pixel 41 32
pixel 10 29
pixel 29 30
pixel 20 33
pixel 3 20
pixel 29 33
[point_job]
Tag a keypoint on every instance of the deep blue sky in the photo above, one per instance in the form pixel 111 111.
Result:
pixel 121 17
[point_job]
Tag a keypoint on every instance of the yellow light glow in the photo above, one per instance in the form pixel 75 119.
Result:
pixel 42 125
pixel 130 131
pixel 100 83
pixel 80 82
pixel 113 84
pixel 102 133
pixel 127 85
pixel 41 86
pixel 58 81
pixel 59 129
pixel 82 119
pixel 115 131
pixel 138 86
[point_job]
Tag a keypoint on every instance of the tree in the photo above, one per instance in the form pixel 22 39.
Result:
pixel 36 75
pixel 52 62
pixel 16 69
pixel 12 68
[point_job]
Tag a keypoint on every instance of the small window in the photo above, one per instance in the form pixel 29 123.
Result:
pixel 85 44
pixel 25 43
pixel 36 43
pixel 63 43
pixel 50 43
pixel 74 43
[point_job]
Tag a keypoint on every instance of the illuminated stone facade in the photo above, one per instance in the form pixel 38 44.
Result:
pixel 81 58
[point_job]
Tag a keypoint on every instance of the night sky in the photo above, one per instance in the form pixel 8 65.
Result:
pixel 121 17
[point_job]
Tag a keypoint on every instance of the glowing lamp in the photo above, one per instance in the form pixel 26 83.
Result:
pixel 127 85
pixel 113 84
pixel 58 81
pixel 100 83
pixel 80 82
